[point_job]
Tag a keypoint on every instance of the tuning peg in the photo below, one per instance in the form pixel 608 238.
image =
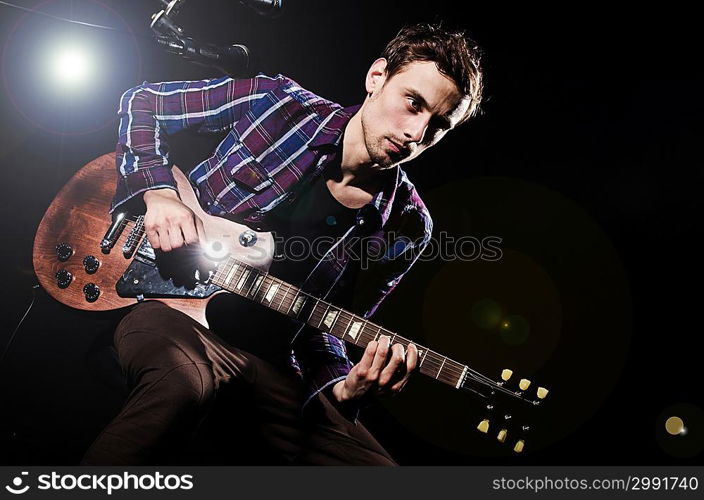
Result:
pixel 542 392
pixel 502 435
pixel 519 446
pixel 506 374
pixel 524 384
pixel 483 426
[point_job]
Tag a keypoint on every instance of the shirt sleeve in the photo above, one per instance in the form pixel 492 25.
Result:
pixel 323 360
pixel 151 112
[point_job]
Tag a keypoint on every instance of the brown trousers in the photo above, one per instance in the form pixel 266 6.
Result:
pixel 177 368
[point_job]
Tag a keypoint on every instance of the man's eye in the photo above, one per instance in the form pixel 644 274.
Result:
pixel 414 104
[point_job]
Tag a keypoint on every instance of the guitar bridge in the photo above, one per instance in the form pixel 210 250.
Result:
pixel 179 273
pixel 133 238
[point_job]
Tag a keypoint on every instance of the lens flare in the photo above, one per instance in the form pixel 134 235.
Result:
pixel 71 66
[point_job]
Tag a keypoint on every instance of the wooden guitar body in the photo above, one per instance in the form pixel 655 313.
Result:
pixel 76 222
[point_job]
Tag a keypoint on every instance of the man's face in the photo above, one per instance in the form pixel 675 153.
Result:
pixel 409 112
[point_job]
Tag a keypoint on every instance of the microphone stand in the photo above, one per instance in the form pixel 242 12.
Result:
pixel 234 60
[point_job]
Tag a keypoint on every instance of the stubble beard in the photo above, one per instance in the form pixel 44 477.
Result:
pixel 375 147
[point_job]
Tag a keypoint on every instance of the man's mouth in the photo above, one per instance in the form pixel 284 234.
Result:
pixel 397 149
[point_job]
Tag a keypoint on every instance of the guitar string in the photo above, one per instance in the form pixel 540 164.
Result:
pixel 457 369
pixel 285 295
pixel 454 368
pixel 435 361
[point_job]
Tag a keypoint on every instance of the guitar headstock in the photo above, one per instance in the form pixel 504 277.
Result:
pixel 511 405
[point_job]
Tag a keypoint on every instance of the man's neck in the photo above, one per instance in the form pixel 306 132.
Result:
pixel 355 179
pixel 356 167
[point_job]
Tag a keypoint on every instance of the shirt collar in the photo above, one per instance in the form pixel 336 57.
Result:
pixel 330 134
pixel 335 123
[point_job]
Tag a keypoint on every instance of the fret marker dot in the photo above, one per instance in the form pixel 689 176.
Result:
pixel 331 220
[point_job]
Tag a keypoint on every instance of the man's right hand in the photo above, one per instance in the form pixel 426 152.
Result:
pixel 169 223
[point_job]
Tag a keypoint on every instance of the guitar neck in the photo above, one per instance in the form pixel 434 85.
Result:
pixel 249 282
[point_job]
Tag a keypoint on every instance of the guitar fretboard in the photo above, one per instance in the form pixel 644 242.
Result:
pixel 249 282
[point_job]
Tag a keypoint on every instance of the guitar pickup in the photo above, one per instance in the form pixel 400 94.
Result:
pixel 113 232
pixel 133 238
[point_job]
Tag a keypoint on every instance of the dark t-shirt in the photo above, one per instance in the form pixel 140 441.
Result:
pixel 305 229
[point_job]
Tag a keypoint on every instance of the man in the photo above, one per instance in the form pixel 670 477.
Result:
pixel 298 164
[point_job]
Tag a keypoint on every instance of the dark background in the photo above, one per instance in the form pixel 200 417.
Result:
pixel 585 161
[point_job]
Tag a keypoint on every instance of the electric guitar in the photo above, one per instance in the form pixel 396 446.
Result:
pixel 88 260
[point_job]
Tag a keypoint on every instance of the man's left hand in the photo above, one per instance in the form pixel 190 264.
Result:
pixel 378 371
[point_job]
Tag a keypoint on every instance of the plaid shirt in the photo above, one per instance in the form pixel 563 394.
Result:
pixel 280 136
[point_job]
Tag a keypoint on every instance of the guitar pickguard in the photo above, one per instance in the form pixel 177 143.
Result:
pixel 181 273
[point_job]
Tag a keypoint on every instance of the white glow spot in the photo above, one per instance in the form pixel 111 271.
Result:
pixel 71 66
pixel 216 250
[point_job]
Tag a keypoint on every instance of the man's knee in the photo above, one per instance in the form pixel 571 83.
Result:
pixel 154 339
pixel 150 316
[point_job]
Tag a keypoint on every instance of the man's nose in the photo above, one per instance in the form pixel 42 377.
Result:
pixel 415 129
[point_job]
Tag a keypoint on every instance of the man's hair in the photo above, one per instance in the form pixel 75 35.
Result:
pixel 456 56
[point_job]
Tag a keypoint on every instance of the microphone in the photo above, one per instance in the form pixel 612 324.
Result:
pixel 264 7
pixel 233 60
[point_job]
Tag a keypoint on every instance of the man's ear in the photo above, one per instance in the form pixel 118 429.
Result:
pixel 376 75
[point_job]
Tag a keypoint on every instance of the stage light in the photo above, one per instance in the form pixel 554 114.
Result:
pixel 71 66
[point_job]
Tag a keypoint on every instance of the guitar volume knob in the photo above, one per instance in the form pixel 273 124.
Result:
pixel 91 291
pixel 248 238
pixel 91 264
pixel 63 278
pixel 64 251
